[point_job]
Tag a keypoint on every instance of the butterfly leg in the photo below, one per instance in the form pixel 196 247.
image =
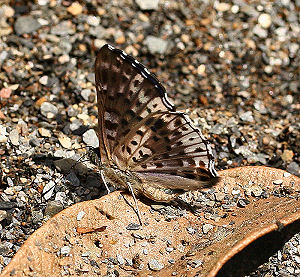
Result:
pixel 135 201
pixel 104 182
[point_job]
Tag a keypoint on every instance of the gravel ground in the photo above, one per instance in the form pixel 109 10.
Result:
pixel 234 65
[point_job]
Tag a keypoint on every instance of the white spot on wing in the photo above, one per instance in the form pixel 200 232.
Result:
pixel 110 47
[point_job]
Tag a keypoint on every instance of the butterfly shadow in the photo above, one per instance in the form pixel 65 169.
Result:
pixel 82 182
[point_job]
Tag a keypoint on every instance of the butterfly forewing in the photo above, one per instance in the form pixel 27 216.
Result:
pixel 125 96
pixel 141 132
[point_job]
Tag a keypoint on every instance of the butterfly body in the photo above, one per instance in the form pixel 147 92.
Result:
pixel 143 141
pixel 121 179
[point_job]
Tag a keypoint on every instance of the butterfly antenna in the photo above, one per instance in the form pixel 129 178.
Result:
pixel 136 204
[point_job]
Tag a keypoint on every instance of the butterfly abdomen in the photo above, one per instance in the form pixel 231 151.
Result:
pixel 120 179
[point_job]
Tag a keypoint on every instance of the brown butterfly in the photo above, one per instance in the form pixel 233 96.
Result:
pixel 145 145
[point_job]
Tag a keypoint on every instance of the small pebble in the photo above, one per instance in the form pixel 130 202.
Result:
pixel 80 215
pixel 3 215
pixel 90 138
pixel 120 259
pixel 287 155
pixel 75 9
pixel 278 182
pixel 44 80
pixel 133 226
pixel 5 93
pixel 93 20
pixel 48 190
pixel 86 94
pixel 147 4
pixel 206 228
pixel 14 137
pixel 65 250
pixel 155 265
pixel 191 230
pixel 222 6
pixel 64 141
pixel 247 116
pixel 48 110
pixel 256 191
pixel 197 263
pixel 260 32
pixel 156 45
pixel 44 132
pixel 265 20
pixel 53 207
pixel 26 24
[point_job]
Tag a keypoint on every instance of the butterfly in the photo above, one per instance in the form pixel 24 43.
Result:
pixel 145 145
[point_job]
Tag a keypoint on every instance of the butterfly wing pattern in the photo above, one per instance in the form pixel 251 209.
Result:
pixel 143 140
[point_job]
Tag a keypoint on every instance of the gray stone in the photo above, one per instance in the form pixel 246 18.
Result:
pixel 37 216
pixel 3 215
pixel 147 4
pixel 98 31
pixel 206 228
pixel 155 265
pixel 247 116
pixel 244 150
pixel 48 110
pixel 63 29
pixel 72 112
pixel 217 129
pixel 259 31
pixel 90 138
pixel 65 46
pixel 14 137
pixel 76 124
pixel 293 168
pixel 53 207
pixel 259 106
pixel 26 25
pixel 85 93
pixel 156 45
pixel 65 250
pixel 120 259
pixel 247 9
pixel 48 190
pixel 281 31
pixel 3 56
pixel 93 20
pixel 34 141
pixel 5 248
pixel 80 215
